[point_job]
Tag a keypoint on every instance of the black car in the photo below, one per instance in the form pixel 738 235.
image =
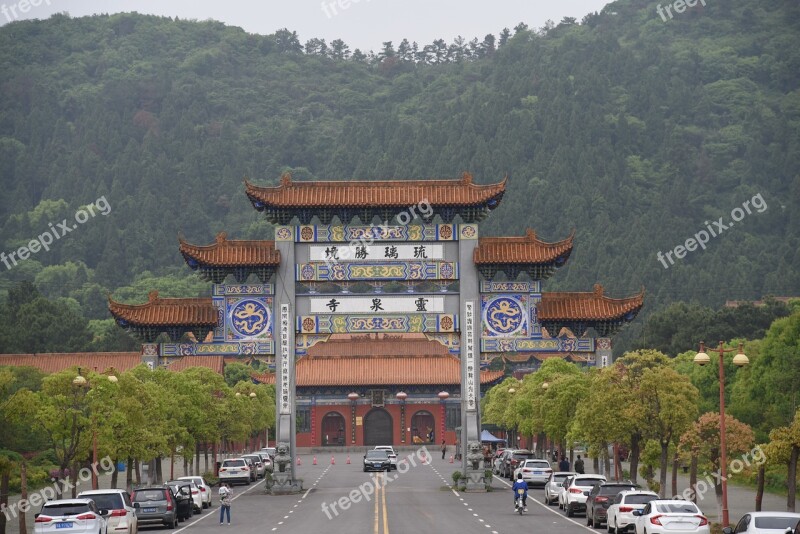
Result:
pixel 155 504
pixel 512 460
pixel 183 497
pixel 377 460
pixel 600 498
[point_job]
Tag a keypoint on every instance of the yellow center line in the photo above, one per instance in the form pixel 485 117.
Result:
pixel 377 509
pixel 385 516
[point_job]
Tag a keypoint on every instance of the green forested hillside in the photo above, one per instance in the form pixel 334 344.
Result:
pixel 630 129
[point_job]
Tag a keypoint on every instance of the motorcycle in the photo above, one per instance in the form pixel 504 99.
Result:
pixel 518 502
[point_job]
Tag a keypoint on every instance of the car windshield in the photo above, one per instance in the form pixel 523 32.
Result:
pixel 522 455
pixel 588 481
pixel 613 490
pixel 233 463
pixel 74 508
pixel 560 478
pixel 776 522
pixel 148 495
pixel 677 508
pixel 108 501
pixel 377 455
pixel 639 499
pixel 539 464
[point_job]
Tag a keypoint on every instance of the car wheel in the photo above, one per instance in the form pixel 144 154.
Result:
pixel 610 529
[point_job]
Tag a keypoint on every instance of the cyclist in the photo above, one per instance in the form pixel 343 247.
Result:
pixel 520 484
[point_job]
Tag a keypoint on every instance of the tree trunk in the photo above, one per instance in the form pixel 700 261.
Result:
pixel 693 477
pixel 159 472
pixel 114 474
pixel 205 454
pixel 129 475
pixel 675 465
pixel 662 491
pixel 73 478
pixel 138 472
pixel 196 467
pixel 792 478
pixel 596 464
pixel 23 484
pixel 760 487
pixel 635 457
pixel 4 481
pixel 186 467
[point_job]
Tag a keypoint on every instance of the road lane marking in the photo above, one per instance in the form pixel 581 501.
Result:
pixel 213 510
pixel 385 515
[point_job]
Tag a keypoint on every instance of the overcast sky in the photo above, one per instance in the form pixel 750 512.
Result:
pixel 361 24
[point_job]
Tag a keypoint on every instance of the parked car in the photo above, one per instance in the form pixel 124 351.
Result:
pixel 766 522
pixel 377 460
pixel 561 496
pixel 600 498
pixel 205 489
pixel 271 451
pixel 573 498
pixel 184 502
pixel 116 507
pixel 553 485
pixel 155 505
pixel 258 465
pixel 251 463
pixel 620 516
pixel 75 515
pixel 497 460
pixel 234 470
pixel 197 499
pixel 512 459
pixel 266 461
pixel 534 472
pixel 390 452
pixel 668 516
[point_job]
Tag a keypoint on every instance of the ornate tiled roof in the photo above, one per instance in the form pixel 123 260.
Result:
pixel 393 193
pixel 55 362
pixel 527 249
pixel 320 371
pixel 588 306
pixel 233 253
pixel 165 312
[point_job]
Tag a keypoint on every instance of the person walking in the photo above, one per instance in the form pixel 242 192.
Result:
pixel 579 466
pixel 444 449
pixel 563 465
pixel 225 494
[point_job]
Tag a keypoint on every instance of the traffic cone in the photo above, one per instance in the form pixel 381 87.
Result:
pixel 315 461
pixel 348 459
pixel 451 458
pixel 298 461
pixel 333 460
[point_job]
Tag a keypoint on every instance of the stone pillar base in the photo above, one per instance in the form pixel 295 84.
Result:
pixel 283 484
pixel 475 481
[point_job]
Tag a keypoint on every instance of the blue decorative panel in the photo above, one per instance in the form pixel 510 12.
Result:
pixel 571 344
pixel 309 233
pixel 248 318
pixel 222 290
pixel 402 270
pixel 505 315
pixel 342 324
pixel 218 349
pixel 510 287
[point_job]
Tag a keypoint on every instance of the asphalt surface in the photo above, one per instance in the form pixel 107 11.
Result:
pixel 342 498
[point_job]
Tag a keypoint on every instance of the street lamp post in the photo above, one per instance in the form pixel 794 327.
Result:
pixel 80 382
pixel 740 360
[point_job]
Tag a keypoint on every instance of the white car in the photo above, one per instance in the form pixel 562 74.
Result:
pixel 77 516
pixel 765 523
pixel 234 470
pixel 668 516
pixel 390 451
pixel 534 471
pixel 258 465
pixel 205 489
pixel 266 461
pixel 553 485
pixel 497 461
pixel 116 507
pixel 197 498
pixel 620 516
pixel 573 498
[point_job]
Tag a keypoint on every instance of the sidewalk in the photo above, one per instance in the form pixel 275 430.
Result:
pixel 741 499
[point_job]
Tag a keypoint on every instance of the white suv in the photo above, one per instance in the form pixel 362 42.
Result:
pixel 205 489
pixel 620 516
pixel 573 500
pixel 234 470
pixel 120 515
pixel 79 516
pixel 392 455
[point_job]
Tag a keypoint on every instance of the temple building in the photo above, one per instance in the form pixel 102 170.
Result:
pixel 385 330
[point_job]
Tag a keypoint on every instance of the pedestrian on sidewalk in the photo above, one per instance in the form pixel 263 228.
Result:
pixel 579 468
pixel 225 494
pixel 563 465
pixel 444 449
